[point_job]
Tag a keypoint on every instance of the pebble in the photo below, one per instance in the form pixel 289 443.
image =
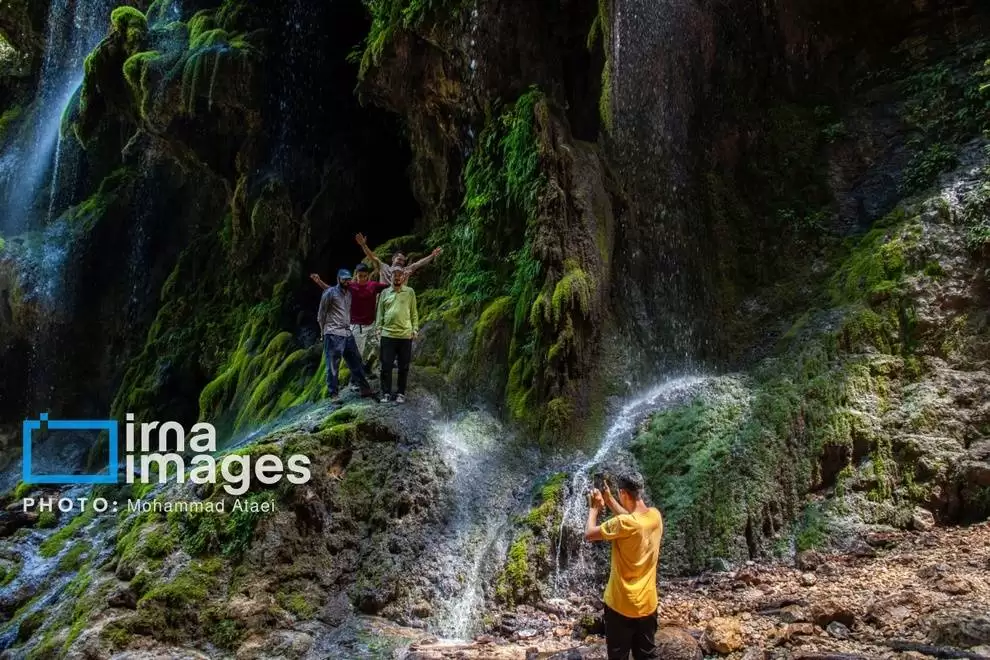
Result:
pixel 837 630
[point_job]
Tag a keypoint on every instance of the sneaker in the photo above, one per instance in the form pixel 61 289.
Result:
pixel 385 399
pixel 367 393
pixel 334 397
pixel 400 398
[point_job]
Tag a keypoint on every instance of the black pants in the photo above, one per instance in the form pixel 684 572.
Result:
pixel 623 635
pixel 392 348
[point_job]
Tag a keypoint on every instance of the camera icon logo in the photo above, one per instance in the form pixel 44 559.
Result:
pixel 32 425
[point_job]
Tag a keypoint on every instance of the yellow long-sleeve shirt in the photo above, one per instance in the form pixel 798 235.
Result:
pixel 397 315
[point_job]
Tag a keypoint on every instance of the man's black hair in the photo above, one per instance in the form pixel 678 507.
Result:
pixel 362 268
pixel 631 482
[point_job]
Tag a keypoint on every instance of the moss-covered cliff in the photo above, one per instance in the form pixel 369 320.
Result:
pixel 623 192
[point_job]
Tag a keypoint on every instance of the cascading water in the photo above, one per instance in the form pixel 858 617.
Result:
pixel 32 159
pixel 574 569
pixel 44 573
pixel 491 474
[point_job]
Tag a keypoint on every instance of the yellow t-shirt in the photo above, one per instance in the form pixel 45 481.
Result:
pixel 632 583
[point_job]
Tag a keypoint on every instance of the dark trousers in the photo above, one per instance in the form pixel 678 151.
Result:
pixel 336 347
pixel 392 349
pixel 623 634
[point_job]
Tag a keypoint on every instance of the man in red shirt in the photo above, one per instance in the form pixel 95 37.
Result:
pixel 364 297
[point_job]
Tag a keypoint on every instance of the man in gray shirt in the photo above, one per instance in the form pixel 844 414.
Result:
pixel 334 318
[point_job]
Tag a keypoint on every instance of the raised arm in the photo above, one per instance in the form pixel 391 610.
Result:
pixel 363 242
pixel 319 281
pixel 612 503
pixel 425 260
pixel 592 531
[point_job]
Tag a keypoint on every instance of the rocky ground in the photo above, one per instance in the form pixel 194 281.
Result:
pixel 902 595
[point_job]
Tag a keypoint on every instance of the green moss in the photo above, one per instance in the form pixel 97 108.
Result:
pixel 601 27
pixel 495 314
pixel 73 559
pixel 545 516
pixel 875 267
pixel 515 580
pixel 129 21
pixel 520 397
pixel 136 74
pixel 227 633
pixel 390 16
pixel 230 534
pixel 46 519
pixel 116 635
pixel 22 490
pixel 339 436
pixel 812 530
pixel 557 417
pixel 297 603
pixel 54 544
pixel 30 624
pixel 9 573
pixel 8 118
pixel 46 649
pixel 172 610
pixel 574 288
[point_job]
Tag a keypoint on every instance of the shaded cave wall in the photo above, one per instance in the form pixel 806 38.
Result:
pixel 715 152
pixel 204 202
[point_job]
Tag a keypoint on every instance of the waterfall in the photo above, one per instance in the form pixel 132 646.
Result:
pixel 576 568
pixel 491 474
pixel 44 575
pixel 33 162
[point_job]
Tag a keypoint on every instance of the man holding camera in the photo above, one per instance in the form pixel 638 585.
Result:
pixel 631 595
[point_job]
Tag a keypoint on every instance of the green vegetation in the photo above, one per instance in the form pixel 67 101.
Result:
pixel 297 603
pixel 8 573
pixel 54 544
pixel 73 559
pixel 229 534
pixel 530 317
pixel 948 103
pixel 516 583
pixel 22 490
pixel 601 27
pixel 9 118
pixel 46 519
pixel 740 456
pixel 172 610
pixel 502 182
pixel 227 633
pixel 812 530
pixel 390 16
pixel 529 560
pixel 545 516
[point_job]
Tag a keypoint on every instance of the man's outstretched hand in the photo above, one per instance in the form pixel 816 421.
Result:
pixel 597 501
pixel 315 277
pixel 361 240
pixel 437 252
pixel 607 495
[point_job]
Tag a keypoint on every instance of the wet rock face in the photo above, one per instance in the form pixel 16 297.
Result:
pixel 359 528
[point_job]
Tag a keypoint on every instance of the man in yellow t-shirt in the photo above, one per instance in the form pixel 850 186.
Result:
pixel 631 595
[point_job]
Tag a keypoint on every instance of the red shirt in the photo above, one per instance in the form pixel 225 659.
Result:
pixel 363 298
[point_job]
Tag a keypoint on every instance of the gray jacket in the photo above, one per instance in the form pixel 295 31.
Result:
pixel 334 316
